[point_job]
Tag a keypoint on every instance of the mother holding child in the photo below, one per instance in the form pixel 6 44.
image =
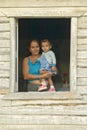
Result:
pixel 38 69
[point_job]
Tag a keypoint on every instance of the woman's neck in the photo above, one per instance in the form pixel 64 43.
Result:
pixel 33 58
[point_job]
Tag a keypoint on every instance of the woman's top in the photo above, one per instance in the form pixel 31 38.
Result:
pixel 34 68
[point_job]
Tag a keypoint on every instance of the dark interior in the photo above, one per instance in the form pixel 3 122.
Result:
pixel 58 31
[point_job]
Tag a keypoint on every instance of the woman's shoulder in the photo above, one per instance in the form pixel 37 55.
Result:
pixel 25 59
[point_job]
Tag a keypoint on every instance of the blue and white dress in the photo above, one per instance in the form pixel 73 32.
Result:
pixel 47 60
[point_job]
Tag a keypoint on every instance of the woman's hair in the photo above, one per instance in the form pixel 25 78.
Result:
pixel 33 40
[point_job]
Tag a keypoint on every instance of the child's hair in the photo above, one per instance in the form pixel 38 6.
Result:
pixel 46 40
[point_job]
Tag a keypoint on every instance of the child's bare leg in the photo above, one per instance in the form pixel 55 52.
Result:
pixel 43 82
pixel 52 88
pixel 50 82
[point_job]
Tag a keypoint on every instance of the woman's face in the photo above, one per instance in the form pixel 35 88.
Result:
pixel 34 48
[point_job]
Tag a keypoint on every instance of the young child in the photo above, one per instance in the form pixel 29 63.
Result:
pixel 48 63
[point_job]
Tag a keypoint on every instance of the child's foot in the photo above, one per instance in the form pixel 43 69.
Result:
pixel 52 90
pixel 42 87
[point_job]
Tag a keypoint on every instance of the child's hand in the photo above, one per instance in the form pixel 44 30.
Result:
pixel 54 68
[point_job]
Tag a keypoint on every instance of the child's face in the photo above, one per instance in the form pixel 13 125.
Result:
pixel 46 46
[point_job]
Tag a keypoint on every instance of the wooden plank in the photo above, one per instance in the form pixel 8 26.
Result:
pixel 45 110
pixel 82 54
pixel 6 58
pixel 4 43
pixel 14 48
pixel 3 102
pixel 4 50
pixel 82 72
pixel 42 120
pixel 82 89
pixel 73 54
pixel 1 96
pixel 4 73
pixel 44 12
pixel 1 14
pixel 4 83
pixel 84 96
pixel 82 47
pixel 4 27
pixel 5 65
pixel 82 41
pixel 68 102
pixel 82 33
pixel 43 95
pixel 4 20
pixel 4 90
pixel 85 14
pixel 21 103
pixel 5 35
pixel 82 82
pixel 82 63
pixel 43 127
pixel 41 3
pixel 82 22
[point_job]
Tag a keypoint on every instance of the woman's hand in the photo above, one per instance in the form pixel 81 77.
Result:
pixel 45 75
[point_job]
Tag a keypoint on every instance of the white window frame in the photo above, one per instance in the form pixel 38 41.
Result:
pixel 14 54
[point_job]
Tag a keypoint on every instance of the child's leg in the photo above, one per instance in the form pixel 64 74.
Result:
pixel 52 88
pixel 43 83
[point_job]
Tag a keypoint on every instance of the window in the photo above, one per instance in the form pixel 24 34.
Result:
pixel 65 39
pixel 58 31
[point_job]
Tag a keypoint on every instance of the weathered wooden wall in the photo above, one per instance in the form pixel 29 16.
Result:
pixel 64 8
pixel 20 112
pixel 63 112
pixel 43 3
pixel 82 55
pixel 4 54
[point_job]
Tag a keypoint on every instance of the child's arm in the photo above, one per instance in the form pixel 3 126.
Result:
pixel 54 69
pixel 53 58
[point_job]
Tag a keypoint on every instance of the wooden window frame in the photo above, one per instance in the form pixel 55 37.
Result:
pixel 14 52
pixel 40 11
pixel 44 12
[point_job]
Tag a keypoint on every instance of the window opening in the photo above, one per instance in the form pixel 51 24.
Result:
pixel 58 31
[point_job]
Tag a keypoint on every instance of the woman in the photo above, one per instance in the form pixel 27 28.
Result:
pixel 31 67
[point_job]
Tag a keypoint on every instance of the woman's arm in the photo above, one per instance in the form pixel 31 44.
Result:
pixel 27 76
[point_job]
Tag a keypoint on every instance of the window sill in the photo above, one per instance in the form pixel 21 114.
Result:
pixel 42 96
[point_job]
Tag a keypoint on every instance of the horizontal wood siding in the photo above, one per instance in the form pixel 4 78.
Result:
pixel 6 57
pixel 82 55
pixel 33 114
pixel 42 3
pixel 33 111
pixel 4 53
pixel 4 43
pixel 4 82
pixel 43 127
pixel 82 22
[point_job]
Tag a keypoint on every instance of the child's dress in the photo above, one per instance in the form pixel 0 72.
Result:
pixel 48 60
